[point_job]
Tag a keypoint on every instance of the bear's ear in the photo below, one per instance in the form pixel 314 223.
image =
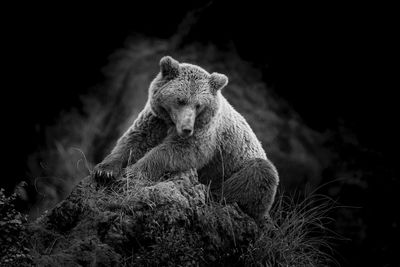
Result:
pixel 169 67
pixel 218 81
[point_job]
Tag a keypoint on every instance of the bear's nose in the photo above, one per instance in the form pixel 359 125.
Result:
pixel 187 132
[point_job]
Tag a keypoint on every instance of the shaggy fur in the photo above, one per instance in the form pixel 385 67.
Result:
pixel 187 123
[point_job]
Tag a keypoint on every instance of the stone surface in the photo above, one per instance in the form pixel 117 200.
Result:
pixel 170 223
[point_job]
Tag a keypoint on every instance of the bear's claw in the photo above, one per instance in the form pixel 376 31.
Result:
pixel 102 176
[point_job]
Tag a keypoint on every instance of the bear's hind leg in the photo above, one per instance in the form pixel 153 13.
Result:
pixel 253 187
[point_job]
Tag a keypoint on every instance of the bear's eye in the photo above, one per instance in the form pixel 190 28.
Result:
pixel 199 109
pixel 181 102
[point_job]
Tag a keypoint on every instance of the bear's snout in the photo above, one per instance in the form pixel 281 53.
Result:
pixel 185 122
pixel 186 132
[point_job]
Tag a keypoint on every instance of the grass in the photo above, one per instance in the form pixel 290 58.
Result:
pixel 297 234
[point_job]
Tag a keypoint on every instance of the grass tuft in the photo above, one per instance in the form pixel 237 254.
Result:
pixel 297 234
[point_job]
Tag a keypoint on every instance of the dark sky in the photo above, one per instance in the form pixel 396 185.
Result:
pixel 332 63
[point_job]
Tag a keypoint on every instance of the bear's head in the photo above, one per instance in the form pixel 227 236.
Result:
pixel 185 96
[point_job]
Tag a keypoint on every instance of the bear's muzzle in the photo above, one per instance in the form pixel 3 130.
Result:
pixel 185 119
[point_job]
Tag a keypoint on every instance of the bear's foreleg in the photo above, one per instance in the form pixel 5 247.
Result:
pixel 253 188
pixel 113 163
pixel 169 157
pixel 147 132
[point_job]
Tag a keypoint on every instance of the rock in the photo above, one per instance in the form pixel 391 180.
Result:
pixel 170 223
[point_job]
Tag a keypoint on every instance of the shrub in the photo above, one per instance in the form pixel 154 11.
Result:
pixel 13 235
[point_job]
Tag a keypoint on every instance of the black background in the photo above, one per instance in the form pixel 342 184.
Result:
pixel 333 64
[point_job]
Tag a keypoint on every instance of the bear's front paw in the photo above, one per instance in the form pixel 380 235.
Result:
pixel 103 173
pixel 135 172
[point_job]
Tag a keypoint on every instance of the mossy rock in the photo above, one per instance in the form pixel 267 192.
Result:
pixel 141 223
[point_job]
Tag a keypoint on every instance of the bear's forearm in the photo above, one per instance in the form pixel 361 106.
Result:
pixel 146 133
pixel 168 158
pixel 120 153
pixel 128 148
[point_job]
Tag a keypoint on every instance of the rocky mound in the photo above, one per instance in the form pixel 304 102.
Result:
pixel 136 223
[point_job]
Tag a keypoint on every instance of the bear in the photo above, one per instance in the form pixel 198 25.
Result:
pixel 188 124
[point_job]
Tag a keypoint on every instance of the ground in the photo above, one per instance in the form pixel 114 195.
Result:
pixel 172 222
pixel 141 223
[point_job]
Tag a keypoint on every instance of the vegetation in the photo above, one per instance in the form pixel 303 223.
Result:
pixel 13 235
pixel 175 223
pixel 298 234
